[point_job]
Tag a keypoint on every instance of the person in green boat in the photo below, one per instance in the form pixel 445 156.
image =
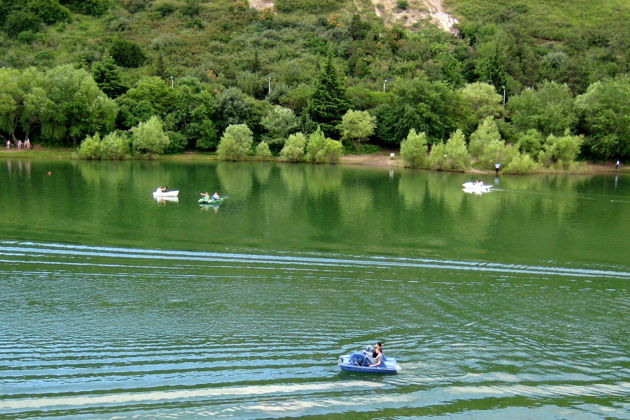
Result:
pixel 215 196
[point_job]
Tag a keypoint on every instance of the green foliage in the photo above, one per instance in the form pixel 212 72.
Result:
pixel 548 109
pixel 316 143
pixel 414 148
pixel 149 138
pixel 330 153
pixel 521 164
pixel 561 151
pixel 357 126
pixel 496 151
pixel 328 101
pixel 115 146
pixel 450 156
pixel 419 104
pixel 605 117
pixel 49 11
pixel 88 7
pixel 484 135
pixel 126 53
pixel 75 106
pixel 308 6
pixel 112 147
pixel 151 96
pixel 279 123
pixel 91 148
pixel 476 102
pixel 19 21
pixel 234 107
pixel 262 150
pixel 108 77
pixel 531 143
pixel 294 148
pixel 235 143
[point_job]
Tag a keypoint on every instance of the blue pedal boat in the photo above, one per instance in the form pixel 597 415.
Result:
pixel 357 362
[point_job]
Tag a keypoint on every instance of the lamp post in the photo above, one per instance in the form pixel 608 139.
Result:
pixel 384 84
pixel 503 96
pixel 171 81
pixel 269 89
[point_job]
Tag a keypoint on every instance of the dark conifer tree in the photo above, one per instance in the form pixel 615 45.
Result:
pixel 107 76
pixel 328 103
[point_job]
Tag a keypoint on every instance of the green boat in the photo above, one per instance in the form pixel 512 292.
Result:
pixel 211 201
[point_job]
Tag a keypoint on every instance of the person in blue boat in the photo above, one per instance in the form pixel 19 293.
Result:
pixel 378 360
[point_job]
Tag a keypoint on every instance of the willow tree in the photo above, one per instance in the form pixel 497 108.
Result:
pixel 78 106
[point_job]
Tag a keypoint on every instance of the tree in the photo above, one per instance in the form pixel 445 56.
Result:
pixel 235 143
pixel 521 164
pixel 107 76
pixel 112 146
pixel 328 102
pixel 316 142
pixel 149 137
pixel 450 156
pixel 548 109
pixel 605 117
pixel 151 96
pixel 561 150
pixel 18 21
pixel 234 107
pixel 420 104
pixel 127 53
pixel 476 102
pixel 486 133
pixel 357 126
pixel 413 149
pixel 492 64
pixel 530 142
pixel 279 123
pixel 293 149
pixel 77 107
pixel 262 150
pixel 88 7
pixel 330 153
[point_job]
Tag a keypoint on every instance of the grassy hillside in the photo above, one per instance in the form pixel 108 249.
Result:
pixel 274 56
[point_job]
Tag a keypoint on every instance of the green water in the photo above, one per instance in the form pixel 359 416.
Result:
pixel 511 304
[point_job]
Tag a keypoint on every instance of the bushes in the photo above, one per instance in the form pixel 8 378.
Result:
pixel 127 53
pixel 112 147
pixel 235 143
pixel 262 150
pixel 149 137
pixel 413 149
pixel 293 149
pixel 450 156
pixel 310 6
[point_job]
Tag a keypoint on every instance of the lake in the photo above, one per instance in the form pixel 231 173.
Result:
pixel 510 304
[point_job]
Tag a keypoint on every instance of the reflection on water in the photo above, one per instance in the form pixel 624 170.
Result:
pixel 509 305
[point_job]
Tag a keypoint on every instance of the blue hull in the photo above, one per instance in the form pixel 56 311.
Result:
pixel 389 366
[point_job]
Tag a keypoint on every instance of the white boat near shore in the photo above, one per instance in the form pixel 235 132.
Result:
pixel 163 194
pixel 476 187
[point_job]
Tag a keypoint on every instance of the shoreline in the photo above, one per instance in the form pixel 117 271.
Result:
pixel 380 159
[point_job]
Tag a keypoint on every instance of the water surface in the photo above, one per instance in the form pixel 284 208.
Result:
pixel 114 305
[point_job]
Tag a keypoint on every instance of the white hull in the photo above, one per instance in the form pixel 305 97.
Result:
pixel 475 187
pixel 165 194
